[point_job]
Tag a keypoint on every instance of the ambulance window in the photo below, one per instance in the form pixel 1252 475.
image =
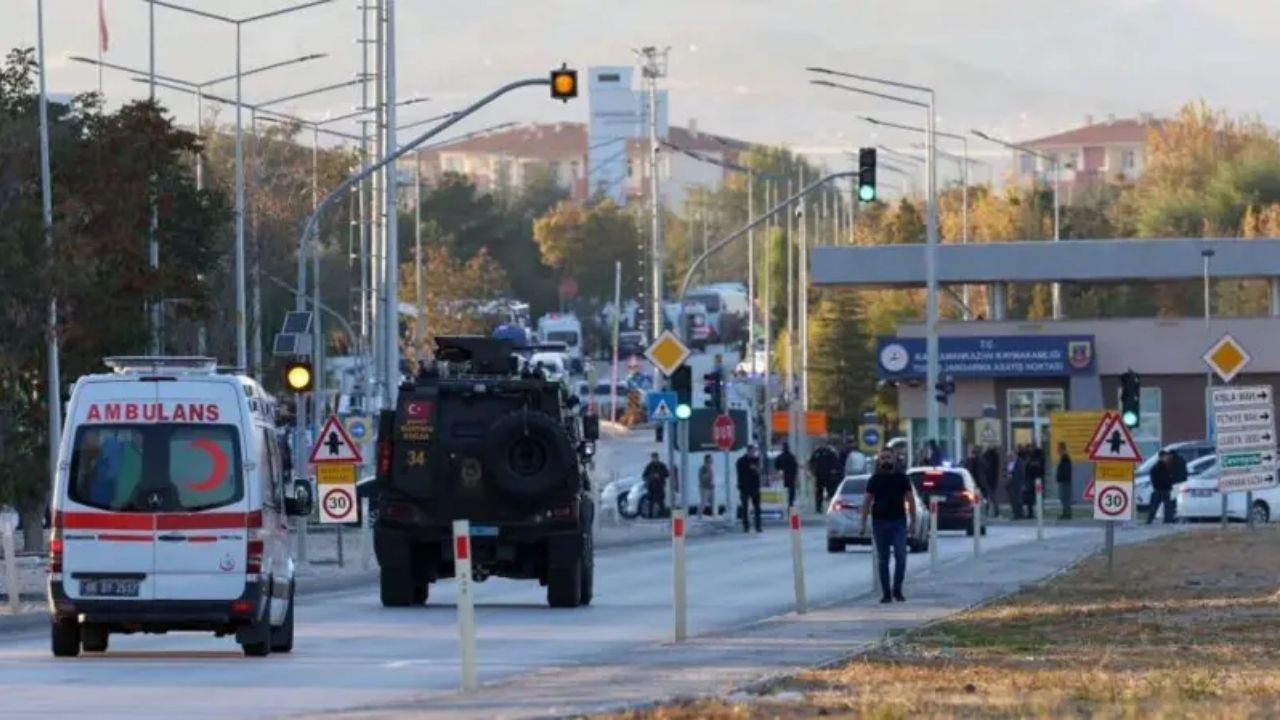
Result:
pixel 106 466
pixel 269 466
pixel 204 466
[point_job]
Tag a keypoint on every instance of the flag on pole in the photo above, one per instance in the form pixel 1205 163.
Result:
pixel 104 37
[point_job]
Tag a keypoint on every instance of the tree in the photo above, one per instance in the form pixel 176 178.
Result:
pixel 583 243
pixel 453 288
pixel 840 355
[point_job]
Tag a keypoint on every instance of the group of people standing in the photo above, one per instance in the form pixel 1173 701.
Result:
pixel 1026 466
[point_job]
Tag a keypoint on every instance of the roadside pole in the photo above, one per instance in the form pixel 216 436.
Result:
pixel 875 571
pixel 12 584
pixel 977 529
pixel 678 574
pixel 797 561
pixel 728 490
pixel 1224 509
pixel 1248 509
pixel 466 604
pixel 366 531
pixel 933 533
pixel 1111 546
pixel 1039 509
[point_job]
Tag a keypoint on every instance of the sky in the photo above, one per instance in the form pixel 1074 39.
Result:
pixel 1017 69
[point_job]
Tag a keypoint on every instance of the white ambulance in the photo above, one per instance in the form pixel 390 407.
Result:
pixel 169 509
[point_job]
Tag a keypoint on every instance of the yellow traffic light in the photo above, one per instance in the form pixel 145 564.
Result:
pixel 298 376
pixel 564 84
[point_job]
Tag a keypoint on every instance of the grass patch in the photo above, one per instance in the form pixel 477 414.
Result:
pixel 1187 626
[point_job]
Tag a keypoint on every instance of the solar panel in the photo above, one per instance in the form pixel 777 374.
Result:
pixel 286 344
pixel 297 322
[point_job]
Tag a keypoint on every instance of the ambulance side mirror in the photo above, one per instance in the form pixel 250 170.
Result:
pixel 300 504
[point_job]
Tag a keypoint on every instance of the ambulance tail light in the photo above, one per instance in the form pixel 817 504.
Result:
pixel 241 607
pixel 253 556
pixel 55 551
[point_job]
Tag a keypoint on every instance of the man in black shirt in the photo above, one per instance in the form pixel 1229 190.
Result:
pixel 749 486
pixel 1161 489
pixel 786 464
pixel 892 506
pixel 1064 480
pixel 655 485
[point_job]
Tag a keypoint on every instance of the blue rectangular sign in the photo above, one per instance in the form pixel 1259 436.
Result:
pixel 661 405
pixel 988 356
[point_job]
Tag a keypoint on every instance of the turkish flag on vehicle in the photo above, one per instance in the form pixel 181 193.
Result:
pixel 104 37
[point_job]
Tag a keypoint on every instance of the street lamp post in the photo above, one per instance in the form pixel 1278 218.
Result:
pixel 1057 207
pixel 933 432
pixel 242 358
pixel 53 381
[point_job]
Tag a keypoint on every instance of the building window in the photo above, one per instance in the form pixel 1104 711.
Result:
pixel 1027 164
pixel 1128 160
pixel 1028 414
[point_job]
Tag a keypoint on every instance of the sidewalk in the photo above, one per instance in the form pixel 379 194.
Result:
pixel 721 664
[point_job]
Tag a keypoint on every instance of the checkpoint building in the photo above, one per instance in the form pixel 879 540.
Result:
pixel 1020 372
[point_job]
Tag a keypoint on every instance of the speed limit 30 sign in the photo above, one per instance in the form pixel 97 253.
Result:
pixel 1113 501
pixel 337 503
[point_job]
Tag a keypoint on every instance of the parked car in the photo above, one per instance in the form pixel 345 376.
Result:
pixel 1190 451
pixel 614 497
pixel 956 492
pixel 844 518
pixel 631 343
pixel 1198 500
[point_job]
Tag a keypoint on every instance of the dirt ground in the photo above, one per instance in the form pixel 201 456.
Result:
pixel 1187 626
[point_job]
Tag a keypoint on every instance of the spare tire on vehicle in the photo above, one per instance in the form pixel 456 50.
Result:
pixel 528 455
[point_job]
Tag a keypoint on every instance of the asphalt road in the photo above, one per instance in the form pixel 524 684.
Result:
pixel 351 652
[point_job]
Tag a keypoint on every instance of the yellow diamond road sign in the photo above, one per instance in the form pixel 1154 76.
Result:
pixel 1227 358
pixel 667 353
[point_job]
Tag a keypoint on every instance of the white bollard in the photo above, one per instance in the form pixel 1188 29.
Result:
pixel 12 584
pixel 466 605
pixel 933 533
pixel 1039 509
pixel 977 529
pixel 797 562
pixel 678 599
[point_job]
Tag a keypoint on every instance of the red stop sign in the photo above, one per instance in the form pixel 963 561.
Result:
pixel 722 432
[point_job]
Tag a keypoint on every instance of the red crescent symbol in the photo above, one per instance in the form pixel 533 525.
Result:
pixel 220 465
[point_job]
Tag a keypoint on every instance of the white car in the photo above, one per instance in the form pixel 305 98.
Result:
pixel 554 365
pixel 614 496
pixel 844 518
pixel 1198 499
pixel 169 509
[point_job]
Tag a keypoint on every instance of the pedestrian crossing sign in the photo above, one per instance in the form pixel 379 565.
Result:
pixel 661 406
pixel 334 445
pixel 1113 442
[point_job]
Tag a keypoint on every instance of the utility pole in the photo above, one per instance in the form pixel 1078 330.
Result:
pixel 365 220
pixel 391 310
pixel 54 383
pixel 655 67
pixel 376 193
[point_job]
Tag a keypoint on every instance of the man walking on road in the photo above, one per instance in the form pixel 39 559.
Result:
pixel 824 465
pixel 892 507
pixel 1064 480
pixel 1161 489
pixel 707 486
pixel 787 465
pixel 749 486
pixel 655 486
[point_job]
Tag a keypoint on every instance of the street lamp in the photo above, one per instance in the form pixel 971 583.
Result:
pixel 242 357
pixel 931 225
pixel 1057 212
pixel 196 88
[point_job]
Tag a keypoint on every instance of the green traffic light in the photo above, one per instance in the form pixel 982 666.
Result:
pixel 866 193
pixel 683 411
pixel 1130 418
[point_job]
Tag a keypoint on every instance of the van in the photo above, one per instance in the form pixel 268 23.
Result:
pixel 567 329
pixel 169 509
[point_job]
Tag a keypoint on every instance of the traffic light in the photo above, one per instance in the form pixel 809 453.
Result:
pixel 682 385
pixel 867 174
pixel 945 389
pixel 1131 399
pixel 713 386
pixel 298 376
pixel 564 84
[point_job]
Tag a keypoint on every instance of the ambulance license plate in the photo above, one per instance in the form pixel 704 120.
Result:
pixel 484 531
pixel 109 587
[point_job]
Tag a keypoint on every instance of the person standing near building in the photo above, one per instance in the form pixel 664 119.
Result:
pixel 748 467
pixel 1064 480
pixel 1161 489
pixel 973 463
pixel 655 486
pixel 991 465
pixel 1017 479
pixel 892 507
pixel 1035 474
pixel 707 486
pixel 786 464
